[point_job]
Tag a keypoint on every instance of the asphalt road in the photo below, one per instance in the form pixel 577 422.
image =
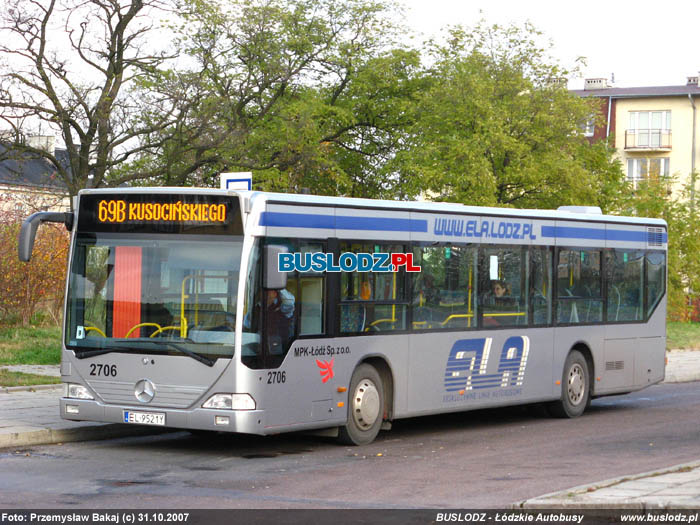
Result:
pixel 470 460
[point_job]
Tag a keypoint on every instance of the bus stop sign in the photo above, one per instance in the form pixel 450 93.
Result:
pixel 242 180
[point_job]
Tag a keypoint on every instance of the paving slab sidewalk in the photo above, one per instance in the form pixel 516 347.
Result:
pixel 30 416
pixel 676 487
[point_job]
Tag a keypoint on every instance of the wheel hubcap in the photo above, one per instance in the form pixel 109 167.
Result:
pixel 365 404
pixel 577 384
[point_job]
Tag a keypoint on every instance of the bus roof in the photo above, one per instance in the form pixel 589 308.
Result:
pixel 423 206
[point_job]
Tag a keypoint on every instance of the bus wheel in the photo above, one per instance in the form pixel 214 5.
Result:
pixel 365 407
pixel 575 391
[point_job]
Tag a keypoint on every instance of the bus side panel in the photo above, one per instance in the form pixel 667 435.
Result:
pixel 565 338
pixel 311 387
pixel 616 372
pixel 650 361
pixel 469 370
pixel 651 367
pixel 634 354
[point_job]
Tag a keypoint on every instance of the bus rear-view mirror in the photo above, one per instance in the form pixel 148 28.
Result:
pixel 28 232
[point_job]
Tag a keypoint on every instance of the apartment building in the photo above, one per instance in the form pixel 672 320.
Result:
pixel 655 130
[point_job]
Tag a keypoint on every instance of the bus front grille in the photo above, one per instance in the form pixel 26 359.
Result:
pixel 166 396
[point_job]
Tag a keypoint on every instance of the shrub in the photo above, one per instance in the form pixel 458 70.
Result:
pixel 26 288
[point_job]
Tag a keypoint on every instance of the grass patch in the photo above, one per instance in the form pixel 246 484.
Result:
pixel 8 378
pixel 683 335
pixel 30 345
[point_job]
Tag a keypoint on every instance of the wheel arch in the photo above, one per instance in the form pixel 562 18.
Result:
pixel 382 367
pixel 585 350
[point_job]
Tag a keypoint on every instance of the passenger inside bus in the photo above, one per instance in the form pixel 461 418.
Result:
pixel 279 320
pixel 498 303
pixel 497 294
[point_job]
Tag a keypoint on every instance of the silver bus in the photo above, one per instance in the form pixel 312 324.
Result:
pixel 177 313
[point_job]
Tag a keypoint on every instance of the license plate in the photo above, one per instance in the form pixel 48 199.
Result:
pixel 144 418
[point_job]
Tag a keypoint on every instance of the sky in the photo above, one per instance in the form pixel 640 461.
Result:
pixel 641 43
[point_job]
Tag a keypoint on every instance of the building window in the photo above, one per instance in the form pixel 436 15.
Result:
pixel 647 168
pixel 650 128
pixel 589 127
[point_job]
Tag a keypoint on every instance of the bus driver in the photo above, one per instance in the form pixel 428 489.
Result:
pixel 279 320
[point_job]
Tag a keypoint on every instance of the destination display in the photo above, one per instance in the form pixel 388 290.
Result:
pixel 167 213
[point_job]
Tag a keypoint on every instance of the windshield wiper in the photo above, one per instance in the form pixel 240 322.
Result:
pixel 82 354
pixel 190 353
pixel 181 349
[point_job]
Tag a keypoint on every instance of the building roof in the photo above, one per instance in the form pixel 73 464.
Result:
pixel 31 171
pixel 640 92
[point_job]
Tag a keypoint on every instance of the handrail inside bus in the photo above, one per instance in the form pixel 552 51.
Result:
pixel 161 330
pixel 140 325
pixel 468 316
pixel 505 314
pixel 95 329
pixel 456 316
pixel 378 321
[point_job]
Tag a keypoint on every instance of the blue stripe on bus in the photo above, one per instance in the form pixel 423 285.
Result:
pixel 340 222
pixel 343 222
pixel 568 232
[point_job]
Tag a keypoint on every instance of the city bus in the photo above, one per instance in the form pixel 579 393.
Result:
pixel 255 312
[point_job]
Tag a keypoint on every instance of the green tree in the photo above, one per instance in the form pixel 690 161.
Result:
pixel 653 198
pixel 496 128
pixel 305 93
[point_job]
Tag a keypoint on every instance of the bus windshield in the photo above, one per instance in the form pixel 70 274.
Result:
pixel 153 293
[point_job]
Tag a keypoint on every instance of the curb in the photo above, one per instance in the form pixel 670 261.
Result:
pixel 31 388
pixel 49 436
pixel 558 500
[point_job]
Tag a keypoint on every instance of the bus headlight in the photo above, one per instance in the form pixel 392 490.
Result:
pixel 74 391
pixel 230 402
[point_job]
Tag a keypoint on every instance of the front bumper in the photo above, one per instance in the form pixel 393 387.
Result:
pixel 243 421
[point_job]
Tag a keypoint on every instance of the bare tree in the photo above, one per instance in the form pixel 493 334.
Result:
pixel 75 67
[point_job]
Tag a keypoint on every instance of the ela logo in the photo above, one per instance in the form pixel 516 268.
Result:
pixel 326 369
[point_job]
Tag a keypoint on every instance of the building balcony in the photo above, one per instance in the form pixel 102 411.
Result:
pixel 648 140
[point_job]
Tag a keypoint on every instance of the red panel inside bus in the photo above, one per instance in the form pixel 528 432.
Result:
pixel 126 311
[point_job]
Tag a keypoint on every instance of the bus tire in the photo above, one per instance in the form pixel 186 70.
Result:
pixel 365 407
pixel 575 387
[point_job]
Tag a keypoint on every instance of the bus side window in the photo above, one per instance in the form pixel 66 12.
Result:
pixel 311 305
pixel 251 351
pixel 503 280
pixel 444 292
pixel 541 285
pixel 372 301
pixel 579 287
pixel 625 285
pixel 656 280
pixel 298 309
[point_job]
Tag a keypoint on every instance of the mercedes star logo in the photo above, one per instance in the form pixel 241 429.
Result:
pixel 145 391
